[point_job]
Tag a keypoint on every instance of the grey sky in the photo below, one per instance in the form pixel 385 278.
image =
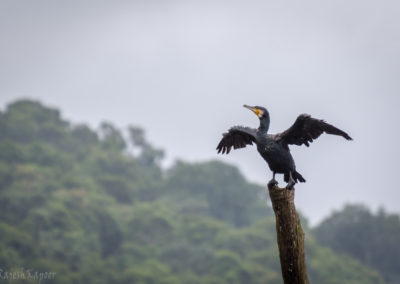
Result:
pixel 183 70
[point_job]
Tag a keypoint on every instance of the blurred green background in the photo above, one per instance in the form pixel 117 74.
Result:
pixel 94 206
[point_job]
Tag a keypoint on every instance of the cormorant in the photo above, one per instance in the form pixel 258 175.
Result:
pixel 274 148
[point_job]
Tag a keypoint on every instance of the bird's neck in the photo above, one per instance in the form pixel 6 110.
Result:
pixel 264 124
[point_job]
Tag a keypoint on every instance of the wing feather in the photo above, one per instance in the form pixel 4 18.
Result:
pixel 236 137
pixel 306 129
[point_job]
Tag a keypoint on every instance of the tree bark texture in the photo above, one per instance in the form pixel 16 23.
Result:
pixel 290 236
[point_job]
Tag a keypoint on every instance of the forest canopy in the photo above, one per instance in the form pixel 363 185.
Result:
pixel 95 206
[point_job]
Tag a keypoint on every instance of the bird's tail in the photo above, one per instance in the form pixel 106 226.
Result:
pixel 296 176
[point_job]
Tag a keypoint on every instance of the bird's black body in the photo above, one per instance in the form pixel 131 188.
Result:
pixel 275 148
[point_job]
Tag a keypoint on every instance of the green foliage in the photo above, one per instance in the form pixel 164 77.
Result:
pixel 226 192
pixel 94 207
pixel 371 238
pixel 325 266
pixel 112 139
pixel 27 121
pixel 149 157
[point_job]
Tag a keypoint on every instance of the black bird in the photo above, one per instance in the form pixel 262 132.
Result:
pixel 274 148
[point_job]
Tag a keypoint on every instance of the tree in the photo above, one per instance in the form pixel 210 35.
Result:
pixel 371 238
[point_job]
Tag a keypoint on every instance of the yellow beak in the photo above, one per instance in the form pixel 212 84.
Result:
pixel 253 109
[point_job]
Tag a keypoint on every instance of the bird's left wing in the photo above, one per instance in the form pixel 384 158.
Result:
pixel 305 129
pixel 236 137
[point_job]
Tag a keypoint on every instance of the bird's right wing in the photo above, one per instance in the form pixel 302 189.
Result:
pixel 236 137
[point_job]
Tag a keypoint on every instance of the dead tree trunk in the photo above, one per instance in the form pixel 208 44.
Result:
pixel 290 236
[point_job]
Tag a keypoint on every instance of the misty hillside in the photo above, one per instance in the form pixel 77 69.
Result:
pixel 94 206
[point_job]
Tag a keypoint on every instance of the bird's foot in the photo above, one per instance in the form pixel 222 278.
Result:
pixel 272 183
pixel 290 185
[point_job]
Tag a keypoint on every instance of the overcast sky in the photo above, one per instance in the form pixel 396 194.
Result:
pixel 183 69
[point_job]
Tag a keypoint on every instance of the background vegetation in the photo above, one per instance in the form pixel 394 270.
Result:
pixel 95 206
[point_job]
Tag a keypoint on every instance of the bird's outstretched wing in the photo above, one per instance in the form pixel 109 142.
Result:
pixel 236 137
pixel 306 129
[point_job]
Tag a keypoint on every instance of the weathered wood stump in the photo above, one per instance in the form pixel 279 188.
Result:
pixel 290 236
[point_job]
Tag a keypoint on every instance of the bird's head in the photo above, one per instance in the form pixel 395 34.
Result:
pixel 259 111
